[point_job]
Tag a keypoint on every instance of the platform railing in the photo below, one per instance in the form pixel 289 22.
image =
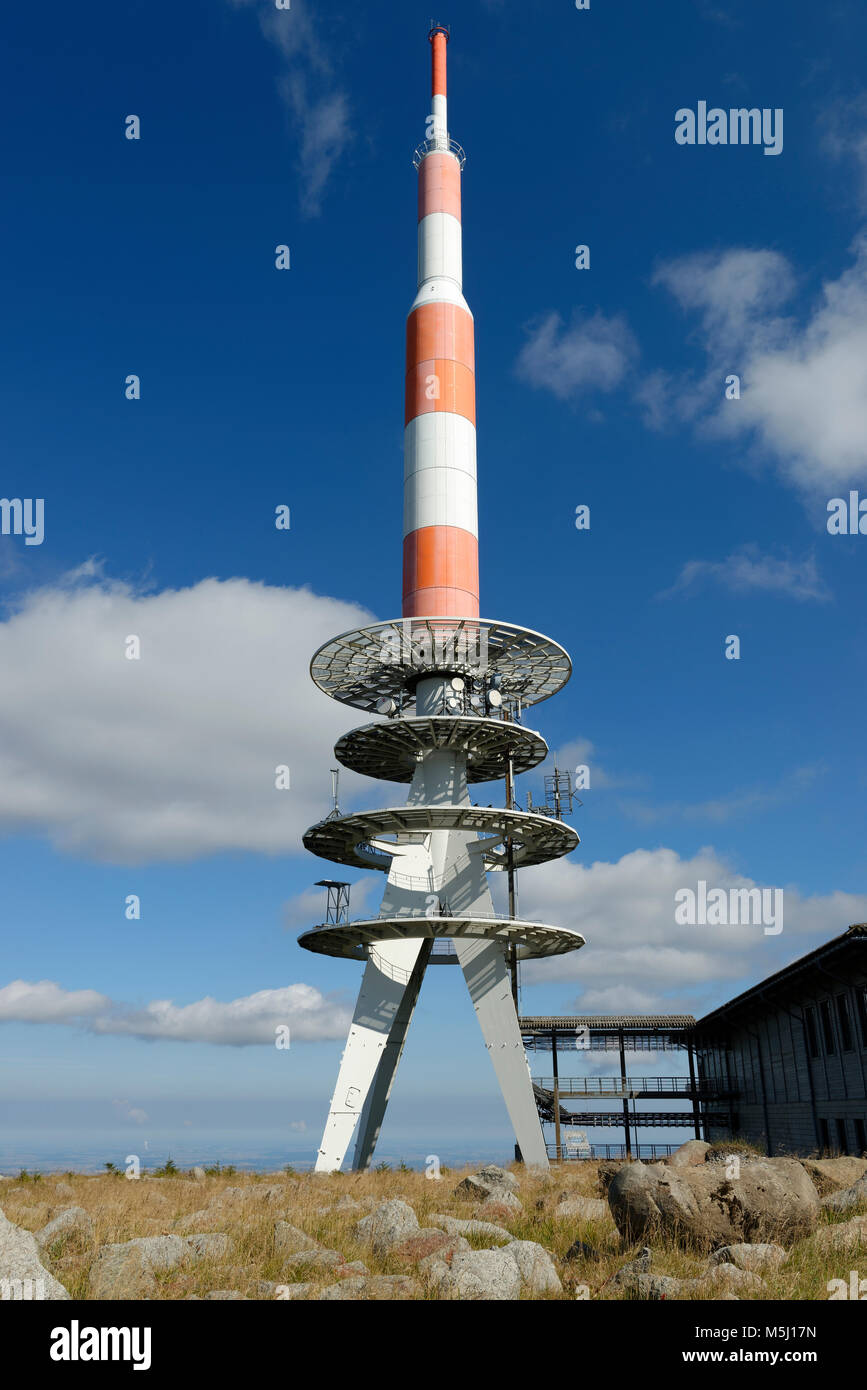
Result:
pixel 642 1152
pixel 615 1086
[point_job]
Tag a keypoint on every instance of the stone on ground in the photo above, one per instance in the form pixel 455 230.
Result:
pixel 208 1245
pixel 771 1198
pixel 74 1222
pixel 500 1206
pixel 689 1155
pixel 731 1277
pixel 480 1274
pixel 20 1262
pixel 835 1174
pixel 427 1240
pixel 121 1271
pixel 391 1224
pixel 752 1257
pixel 849 1198
pixel 535 1266
pixel 458 1226
pixel 654 1287
pixel 288 1240
pixel 845 1235
pixel 487 1182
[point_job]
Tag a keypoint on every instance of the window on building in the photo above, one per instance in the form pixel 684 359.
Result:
pixel 861 1001
pixel 841 1136
pixel 812 1034
pixel 827 1027
pixel 844 1022
pixel 824 1136
pixel 860 1137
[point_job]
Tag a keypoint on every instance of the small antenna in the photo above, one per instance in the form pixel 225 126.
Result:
pixel 335 794
pixel 558 789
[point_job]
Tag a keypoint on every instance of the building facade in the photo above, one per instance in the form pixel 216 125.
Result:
pixel 791 1054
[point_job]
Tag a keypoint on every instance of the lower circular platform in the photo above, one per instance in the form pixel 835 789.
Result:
pixel 355 940
pixel 385 660
pixel 535 839
pixel 391 749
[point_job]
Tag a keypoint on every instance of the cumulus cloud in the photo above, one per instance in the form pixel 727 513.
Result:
pixel 253 1019
pixel 638 958
pixel 803 382
pixel 735 292
pixel 43 1001
pixel 594 352
pixel 174 755
pixel 311 92
pixel 309 1015
pixel 748 571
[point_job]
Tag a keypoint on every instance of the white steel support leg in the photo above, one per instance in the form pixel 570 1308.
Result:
pixel 378 1096
pixel 490 986
pixel 389 976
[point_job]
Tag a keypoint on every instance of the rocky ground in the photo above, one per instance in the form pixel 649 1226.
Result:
pixel 696 1227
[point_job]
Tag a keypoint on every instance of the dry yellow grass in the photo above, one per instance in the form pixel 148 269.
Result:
pixel 122 1209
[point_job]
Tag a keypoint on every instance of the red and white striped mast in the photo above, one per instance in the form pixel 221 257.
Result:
pixel 440 532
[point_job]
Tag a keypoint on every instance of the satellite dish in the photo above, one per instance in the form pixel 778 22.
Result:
pixel 495 699
pixel 453 703
pixel 476 701
pixel 386 705
pixel 457 683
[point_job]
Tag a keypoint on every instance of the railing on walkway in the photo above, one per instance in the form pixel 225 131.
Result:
pixel 614 1085
pixel 598 1151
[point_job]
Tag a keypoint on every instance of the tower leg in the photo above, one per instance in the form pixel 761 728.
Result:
pixel 488 980
pixel 378 1096
pixel 381 1018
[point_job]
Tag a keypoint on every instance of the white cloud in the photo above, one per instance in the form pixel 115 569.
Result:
pixel 593 353
pixel 172 756
pixel 735 291
pixel 748 571
pixel 43 1001
pixel 310 92
pixel 637 956
pixel 309 1015
pixel 803 384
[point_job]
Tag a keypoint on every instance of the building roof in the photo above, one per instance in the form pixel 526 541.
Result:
pixel 607 1022
pixel 855 936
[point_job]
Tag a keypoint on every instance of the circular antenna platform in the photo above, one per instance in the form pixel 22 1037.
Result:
pixel 391 751
pixel 369 664
pixel 358 940
pixel 347 839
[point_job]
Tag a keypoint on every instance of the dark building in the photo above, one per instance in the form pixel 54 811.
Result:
pixel 790 1054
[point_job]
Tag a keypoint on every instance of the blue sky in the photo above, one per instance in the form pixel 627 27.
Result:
pixel 262 387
